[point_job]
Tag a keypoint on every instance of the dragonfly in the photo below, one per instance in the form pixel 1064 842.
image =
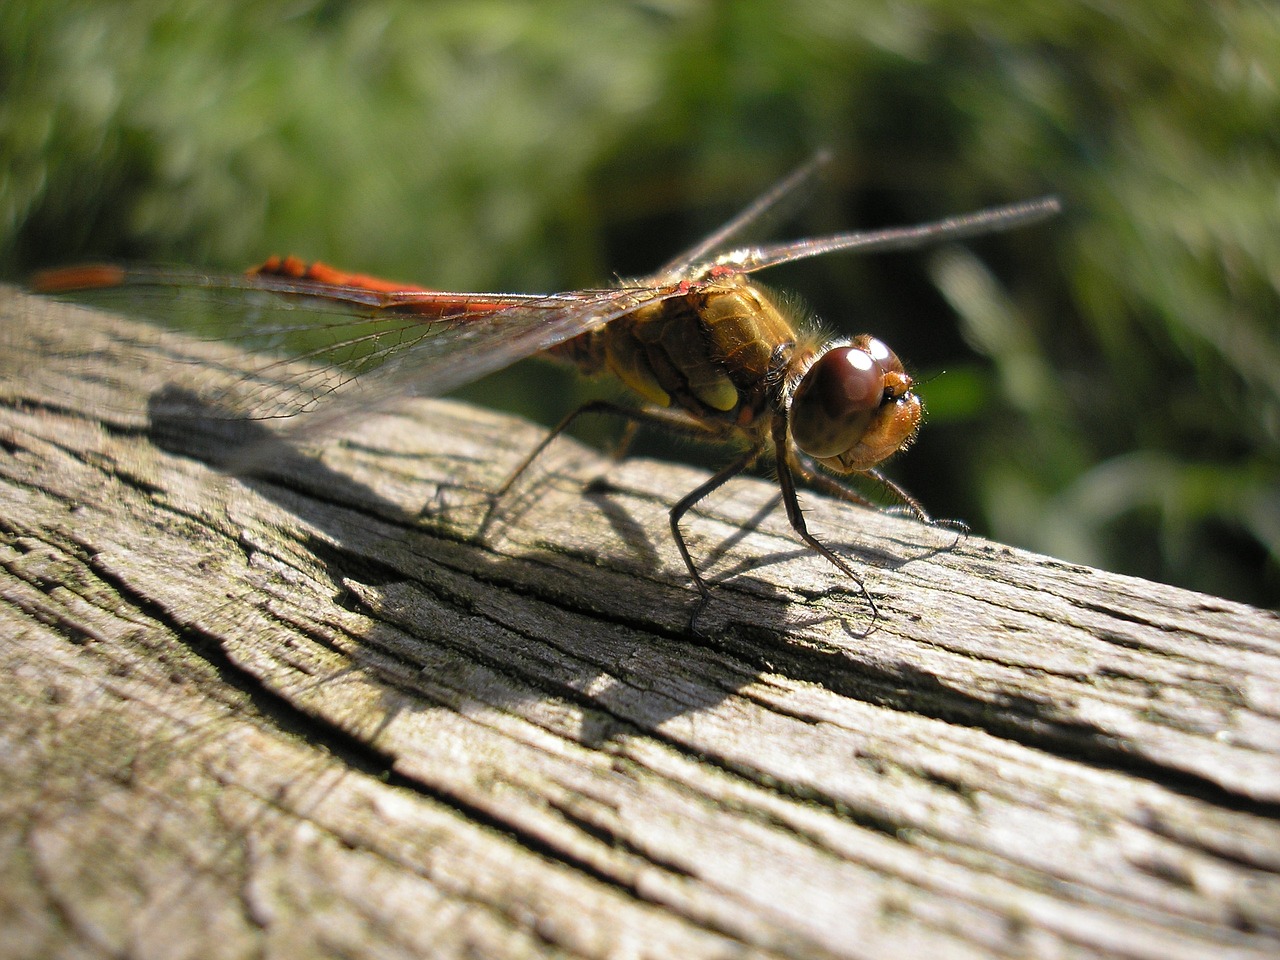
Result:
pixel 706 349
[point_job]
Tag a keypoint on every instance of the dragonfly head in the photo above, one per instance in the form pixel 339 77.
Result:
pixel 854 407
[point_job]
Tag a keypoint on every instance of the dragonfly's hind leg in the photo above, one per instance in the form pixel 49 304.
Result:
pixel 669 420
pixel 673 421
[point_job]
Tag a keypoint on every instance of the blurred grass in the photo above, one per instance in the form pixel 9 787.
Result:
pixel 1111 390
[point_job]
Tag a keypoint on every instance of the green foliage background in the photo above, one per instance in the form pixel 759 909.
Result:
pixel 1111 390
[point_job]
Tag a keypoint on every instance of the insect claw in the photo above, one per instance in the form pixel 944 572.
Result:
pixel 704 597
pixel 958 527
pixel 490 513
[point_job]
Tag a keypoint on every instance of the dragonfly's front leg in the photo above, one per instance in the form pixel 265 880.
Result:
pixel 907 505
pixel 787 484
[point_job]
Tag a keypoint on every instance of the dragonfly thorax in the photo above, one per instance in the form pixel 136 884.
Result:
pixel 710 352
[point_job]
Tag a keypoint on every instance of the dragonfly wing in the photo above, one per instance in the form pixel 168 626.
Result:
pixel 767 205
pixel 446 354
pixel 337 353
pixel 992 220
pixel 311 337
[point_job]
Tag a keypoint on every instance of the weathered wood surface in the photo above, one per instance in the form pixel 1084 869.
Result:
pixel 314 715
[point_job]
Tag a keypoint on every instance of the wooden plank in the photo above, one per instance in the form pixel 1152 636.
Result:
pixel 315 713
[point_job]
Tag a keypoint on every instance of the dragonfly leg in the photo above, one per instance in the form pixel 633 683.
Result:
pixel 913 508
pixel 825 483
pixel 618 451
pixel 671 420
pixel 685 504
pixel 787 485
pixel 907 504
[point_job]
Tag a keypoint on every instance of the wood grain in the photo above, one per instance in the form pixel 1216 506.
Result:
pixel 314 712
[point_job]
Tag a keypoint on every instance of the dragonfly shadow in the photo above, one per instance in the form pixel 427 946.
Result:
pixel 624 525
pixel 448 622
pixel 724 546
pixel 183 422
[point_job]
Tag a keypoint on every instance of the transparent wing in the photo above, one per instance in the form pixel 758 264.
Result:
pixel 710 256
pixel 765 206
pixel 431 358
pixel 343 352
pixel 993 220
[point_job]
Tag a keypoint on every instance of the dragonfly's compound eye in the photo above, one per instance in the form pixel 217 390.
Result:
pixel 832 407
pixel 854 407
